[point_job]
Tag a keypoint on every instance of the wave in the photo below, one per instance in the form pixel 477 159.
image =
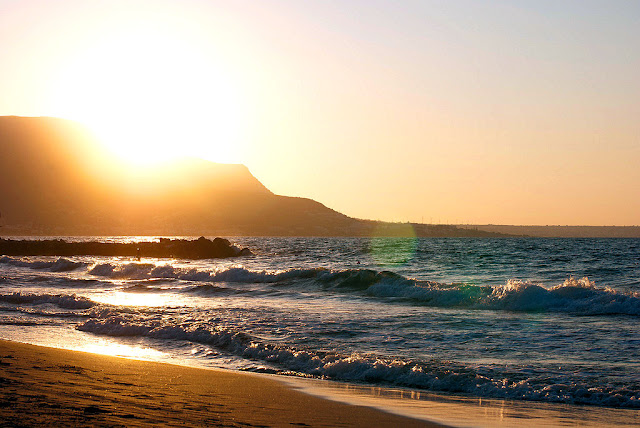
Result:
pixel 59 265
pixel 64 301
pixel 575 296
pixel 21 323
pixel 40 312
pixel 150 287
pixel 233 274
pixel 435 375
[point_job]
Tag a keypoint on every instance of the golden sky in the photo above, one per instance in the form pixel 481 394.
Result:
pixel 519 112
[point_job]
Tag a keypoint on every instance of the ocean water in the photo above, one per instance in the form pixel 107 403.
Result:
pixel 543 320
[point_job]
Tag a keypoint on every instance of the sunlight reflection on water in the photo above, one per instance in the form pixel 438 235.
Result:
pixel 121 298
pixel 72 339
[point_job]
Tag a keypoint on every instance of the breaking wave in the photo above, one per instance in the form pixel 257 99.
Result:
pixel 575 296
pixel 297 308
pixel 59 265
pixel 64 301
pixel 435 375
pixel 234 274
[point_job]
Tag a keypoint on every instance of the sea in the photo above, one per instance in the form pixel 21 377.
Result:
pixel 526 320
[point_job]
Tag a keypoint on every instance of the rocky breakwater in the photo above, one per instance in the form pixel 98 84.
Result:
pixel 201 248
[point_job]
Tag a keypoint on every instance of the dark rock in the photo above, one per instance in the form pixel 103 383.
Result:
pixel 245 252
pixel 202 248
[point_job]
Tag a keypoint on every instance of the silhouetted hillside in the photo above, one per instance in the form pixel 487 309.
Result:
pixel 52 173
pixel 56 179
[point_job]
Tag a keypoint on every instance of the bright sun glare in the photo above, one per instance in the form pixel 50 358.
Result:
pixel 152 97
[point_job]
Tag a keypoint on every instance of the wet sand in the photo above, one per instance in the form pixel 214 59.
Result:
pixel 53 387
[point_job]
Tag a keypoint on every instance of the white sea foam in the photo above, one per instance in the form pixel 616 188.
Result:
pixel 59 265
pixel 313 307
pixel 65 301
pixel 433 375
pixel 233 274
pixel 579 296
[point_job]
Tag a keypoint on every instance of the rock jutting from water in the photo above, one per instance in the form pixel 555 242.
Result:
pixel 201 248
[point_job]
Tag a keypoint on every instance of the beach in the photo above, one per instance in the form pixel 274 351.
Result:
pixel 51 386
pixel 295 213
pixel 460 332
pixel 42 386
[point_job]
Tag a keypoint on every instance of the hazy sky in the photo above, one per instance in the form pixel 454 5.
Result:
pixel 512 112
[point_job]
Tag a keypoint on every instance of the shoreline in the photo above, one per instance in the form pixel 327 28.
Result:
pixel 71 387
pixel 51 386
pixel 204 315
pixel 466 411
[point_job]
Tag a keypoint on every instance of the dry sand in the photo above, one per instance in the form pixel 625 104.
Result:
pixel 53 387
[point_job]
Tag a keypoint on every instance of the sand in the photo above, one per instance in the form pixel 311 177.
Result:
pixel 55 387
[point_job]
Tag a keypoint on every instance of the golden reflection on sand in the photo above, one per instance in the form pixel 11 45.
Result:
pixel 121 350
pixel 464 411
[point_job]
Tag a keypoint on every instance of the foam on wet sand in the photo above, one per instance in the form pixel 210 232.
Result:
pixel 48 386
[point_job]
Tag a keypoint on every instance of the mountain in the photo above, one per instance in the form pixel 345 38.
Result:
pixel 57 179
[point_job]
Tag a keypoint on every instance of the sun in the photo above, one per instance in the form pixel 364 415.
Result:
pixel 151 96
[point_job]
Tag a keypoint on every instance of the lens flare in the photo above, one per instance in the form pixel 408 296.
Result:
pixel 393 244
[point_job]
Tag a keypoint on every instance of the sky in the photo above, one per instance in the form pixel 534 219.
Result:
pixel 477 112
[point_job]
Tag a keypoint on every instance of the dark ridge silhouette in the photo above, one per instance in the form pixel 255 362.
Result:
pixel 200 248
pixel 56 179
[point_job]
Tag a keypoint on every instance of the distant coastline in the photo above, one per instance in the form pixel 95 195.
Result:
pixel 392 230
pixel 557 231
pixel 356 228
